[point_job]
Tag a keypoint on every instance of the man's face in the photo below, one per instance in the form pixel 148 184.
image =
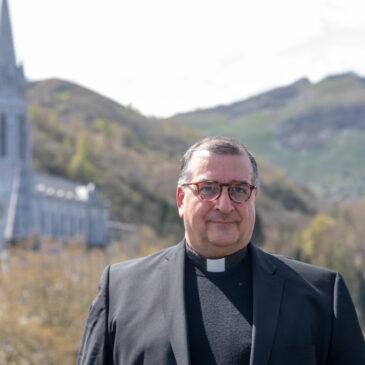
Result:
pixel 221 227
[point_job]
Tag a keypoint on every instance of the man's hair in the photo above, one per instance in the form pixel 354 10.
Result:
pixel 220 146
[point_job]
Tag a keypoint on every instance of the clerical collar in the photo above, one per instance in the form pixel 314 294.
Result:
pixel 215 265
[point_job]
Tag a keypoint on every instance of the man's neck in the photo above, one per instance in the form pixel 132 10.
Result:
pixel 216 264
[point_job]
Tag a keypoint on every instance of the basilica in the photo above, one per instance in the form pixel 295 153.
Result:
pixel 33 204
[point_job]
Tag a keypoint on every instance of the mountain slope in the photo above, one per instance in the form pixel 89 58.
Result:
pixel 80 134
pixel 132 159
pixel 315 133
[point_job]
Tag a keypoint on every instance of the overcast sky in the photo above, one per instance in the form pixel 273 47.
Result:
pixel 169 56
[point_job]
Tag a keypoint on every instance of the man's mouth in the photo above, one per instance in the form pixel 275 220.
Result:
pixel 222 222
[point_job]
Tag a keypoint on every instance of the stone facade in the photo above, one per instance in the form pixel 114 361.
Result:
pixel 33 204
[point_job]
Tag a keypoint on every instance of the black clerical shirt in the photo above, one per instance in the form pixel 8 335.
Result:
pixel 219 308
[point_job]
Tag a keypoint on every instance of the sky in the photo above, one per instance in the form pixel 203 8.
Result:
pixel 167 56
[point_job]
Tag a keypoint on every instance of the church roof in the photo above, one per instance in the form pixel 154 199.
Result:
pixel 59 187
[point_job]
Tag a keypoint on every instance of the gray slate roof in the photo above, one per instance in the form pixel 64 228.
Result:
pixel 63 188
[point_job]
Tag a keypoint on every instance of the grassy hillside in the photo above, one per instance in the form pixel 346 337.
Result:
pixel 315 133
pixel 134 160
pixel 81 135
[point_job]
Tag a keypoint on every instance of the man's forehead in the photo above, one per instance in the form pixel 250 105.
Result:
pixel 201 154
pixel 206 155
pixel 204 163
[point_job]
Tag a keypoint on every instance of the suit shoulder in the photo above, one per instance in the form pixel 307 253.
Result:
pixel 143 263
pixel 299 270
pixel 304 267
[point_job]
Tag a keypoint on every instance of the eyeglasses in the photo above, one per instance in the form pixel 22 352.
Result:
pixel 238 192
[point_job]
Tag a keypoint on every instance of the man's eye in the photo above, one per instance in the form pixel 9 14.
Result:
pixel 240 189
pixel 207 188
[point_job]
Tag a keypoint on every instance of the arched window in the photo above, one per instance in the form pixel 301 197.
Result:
pixel 3 133
pixel 22 137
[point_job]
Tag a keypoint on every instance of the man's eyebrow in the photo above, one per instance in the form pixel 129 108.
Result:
pixel 230 182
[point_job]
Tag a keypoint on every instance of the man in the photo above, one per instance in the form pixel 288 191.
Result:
pixel 215 298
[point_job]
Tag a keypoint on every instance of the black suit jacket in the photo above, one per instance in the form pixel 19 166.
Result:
pixel 303 314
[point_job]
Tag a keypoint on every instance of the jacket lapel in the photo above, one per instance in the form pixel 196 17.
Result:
pixel 267 294
pixel 173 302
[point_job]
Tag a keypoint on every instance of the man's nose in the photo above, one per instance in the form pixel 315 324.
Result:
pixel 224 202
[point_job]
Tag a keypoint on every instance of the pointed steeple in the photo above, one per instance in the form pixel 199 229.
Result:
pixel 7 54
pixel 11 76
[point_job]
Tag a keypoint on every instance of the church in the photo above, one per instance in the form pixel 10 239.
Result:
pixel 33 204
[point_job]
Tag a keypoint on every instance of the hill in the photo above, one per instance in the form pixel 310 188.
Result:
pixel 82 135
pixel 315 133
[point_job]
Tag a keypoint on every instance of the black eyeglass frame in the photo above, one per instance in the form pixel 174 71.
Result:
pixel 221 185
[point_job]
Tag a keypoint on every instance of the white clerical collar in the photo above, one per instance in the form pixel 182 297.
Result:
pixel 215 265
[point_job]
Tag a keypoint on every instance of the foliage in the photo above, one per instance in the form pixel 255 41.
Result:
pixel 45 300
pixel 46 296
pixel 336 242
pixel 316 239
pixel 80 167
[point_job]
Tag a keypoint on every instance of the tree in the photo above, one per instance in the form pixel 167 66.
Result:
pixel 80 167
pixel 328 242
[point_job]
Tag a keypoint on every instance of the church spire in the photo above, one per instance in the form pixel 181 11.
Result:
pixel 12 81
pixel 7 53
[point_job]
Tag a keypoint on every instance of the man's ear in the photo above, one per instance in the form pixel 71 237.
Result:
pixel 180 200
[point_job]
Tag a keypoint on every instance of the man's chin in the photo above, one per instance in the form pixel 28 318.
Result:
pixel 223 241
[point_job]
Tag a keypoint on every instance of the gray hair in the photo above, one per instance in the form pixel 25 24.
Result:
pixel 220 146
